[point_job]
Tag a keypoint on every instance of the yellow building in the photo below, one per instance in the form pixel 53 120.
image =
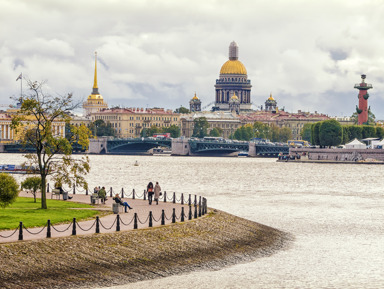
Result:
pixel 95 101
pixel 129 122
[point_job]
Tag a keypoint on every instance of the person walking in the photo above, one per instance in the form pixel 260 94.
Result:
pixel 118 200
pixel 157 192
pixel 150 192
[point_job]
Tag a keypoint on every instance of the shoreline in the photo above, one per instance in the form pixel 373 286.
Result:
pixel 212 242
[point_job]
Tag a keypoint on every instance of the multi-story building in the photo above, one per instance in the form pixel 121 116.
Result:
pixel 129 122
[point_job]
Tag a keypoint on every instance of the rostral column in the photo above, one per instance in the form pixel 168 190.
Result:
pixel 362 110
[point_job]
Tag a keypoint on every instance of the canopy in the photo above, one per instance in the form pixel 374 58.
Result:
pixel 355 144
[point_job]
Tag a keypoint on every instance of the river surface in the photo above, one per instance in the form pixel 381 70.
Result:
pixel 335 212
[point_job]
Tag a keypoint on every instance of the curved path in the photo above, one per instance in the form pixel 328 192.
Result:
pixel 141 207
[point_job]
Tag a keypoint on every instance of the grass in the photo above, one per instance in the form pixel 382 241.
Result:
pixel 30 213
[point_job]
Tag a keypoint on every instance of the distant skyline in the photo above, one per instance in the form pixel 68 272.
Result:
pixel 308 54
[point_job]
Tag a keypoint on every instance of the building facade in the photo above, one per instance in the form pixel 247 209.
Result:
pixel 233 79
pixel 129 122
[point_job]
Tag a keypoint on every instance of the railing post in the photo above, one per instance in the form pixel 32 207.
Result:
pixel 86 192
pixel 150 219
pixel 118 223
pixel 165 196
pixel 48 188
pixel 162 217
pixel 195 203
pixel 122 193
pixel 195 215
pixel 182 214
pixel 174 216
pixel 111 192
pixel 182 198
pixel 145 195
pixel 21 231
pixel 200 206
pixel 49 229
pixel 97 225
pixel 133 194
pixel 174 197
pixel 74 190
pixel 135 221
pixel 190 213
pixel 189 200
pixel 74 227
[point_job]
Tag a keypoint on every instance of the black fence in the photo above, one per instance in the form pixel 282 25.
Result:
pixel 196 208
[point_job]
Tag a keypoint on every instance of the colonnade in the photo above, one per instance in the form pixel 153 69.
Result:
pixel 6 133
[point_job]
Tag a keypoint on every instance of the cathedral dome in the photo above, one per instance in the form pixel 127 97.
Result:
pixel 233 67
pixel 95 96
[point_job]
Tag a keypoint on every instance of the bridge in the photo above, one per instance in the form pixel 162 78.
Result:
pixel 133 145
pixel 201 146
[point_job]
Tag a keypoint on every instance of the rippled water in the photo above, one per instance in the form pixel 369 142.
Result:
pixel 335 212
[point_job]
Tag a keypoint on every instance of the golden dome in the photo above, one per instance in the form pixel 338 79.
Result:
pixel 233 67
pixel 270 97
pixel 234 97
pixel 95 96
pixel 195 97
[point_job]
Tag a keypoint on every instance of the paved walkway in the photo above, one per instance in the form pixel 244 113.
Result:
pixel 107 223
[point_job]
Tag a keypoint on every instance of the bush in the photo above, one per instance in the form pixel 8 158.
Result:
pixel 33 184
pixel 9 190
pixel 330 133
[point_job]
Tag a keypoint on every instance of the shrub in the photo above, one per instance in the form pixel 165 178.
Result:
pixel 9 190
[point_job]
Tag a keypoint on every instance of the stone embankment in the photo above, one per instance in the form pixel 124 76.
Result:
pixel 211 242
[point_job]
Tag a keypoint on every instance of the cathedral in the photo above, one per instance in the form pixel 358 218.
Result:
pixel 233 80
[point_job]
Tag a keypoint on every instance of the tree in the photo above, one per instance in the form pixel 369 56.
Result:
pixel 33 184
pixel 53 153
pixel 369 131
pixel 315 140
pixel 274 132
pixel 174 130
pixel 216 132
pixel 182 109
pixel 379 132
pixel 306 132
pixel 200 127
pixel 285 134
pixel 330 133
pixel 9 190
pixel 100 128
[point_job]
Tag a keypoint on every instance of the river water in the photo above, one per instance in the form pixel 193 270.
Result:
pixel 335 212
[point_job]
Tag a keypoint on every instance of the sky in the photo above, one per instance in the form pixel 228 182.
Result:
pixel 158 53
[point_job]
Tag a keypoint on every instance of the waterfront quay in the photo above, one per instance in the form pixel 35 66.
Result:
pixel 142 215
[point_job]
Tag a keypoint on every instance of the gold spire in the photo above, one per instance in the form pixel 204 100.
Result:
pixel 270 97
pixel 95 80
pixel 195 97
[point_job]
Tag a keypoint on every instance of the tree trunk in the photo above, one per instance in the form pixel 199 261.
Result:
pixel 43 191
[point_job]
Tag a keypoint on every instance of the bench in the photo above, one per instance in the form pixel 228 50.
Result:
pixel 116 208
pixel 95 198
pixel 56 193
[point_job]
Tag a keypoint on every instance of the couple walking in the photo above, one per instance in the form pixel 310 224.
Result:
pixel 153 191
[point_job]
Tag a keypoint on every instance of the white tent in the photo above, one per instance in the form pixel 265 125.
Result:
pixel 380 143
pixel 355 144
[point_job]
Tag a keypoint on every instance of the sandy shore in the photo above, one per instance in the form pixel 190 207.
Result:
pixel 211 242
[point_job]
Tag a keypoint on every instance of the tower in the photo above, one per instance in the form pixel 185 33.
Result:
pixel 234 104
pixel 233 80
pixel 195 104
pixel 95 101
pixel 362 110
pixel 270 104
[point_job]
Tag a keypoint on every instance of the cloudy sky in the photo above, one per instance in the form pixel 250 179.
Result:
pixel 307 53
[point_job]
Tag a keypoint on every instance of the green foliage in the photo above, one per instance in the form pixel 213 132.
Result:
pixel 261 130
pixel 331 133
pixel 285 134
pixel 174 130
pixel 200 127
pixel 216 132
pixel 181 109
pixel 100 128
pixel 33 123
pixel 380 132
pixel 316 133
pixel 306 132
pixel 355 117
pixel 27 211
pixel 9 190
pixel 368 131
pixel 264 131
pixel 33 184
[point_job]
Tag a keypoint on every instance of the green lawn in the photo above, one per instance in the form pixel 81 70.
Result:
pixel 26 211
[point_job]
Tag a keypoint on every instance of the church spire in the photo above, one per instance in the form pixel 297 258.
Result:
pixel 95 88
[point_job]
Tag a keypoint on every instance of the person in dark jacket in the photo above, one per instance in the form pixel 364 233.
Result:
pixel 118 200
pixel 150 192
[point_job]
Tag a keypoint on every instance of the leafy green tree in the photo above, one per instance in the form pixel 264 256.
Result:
pixel 306 132
pixel 216 132
pixel 33 184
pixel 101 128
pixel 331 133
pixel 274 131
pixel 261 130
pixel 379 132
pixel 200 127
pixel 346 133
pixel 285 134
pixel 316 133
pixel 355 131
pixel 9 190
pixel 53 153
pixel 182 109
pixel 369 131
pixel 174 130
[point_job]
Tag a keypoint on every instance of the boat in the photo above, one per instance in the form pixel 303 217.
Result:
pixel 161 152
pixel 136 164
pixel 17 169
pixel 242 154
